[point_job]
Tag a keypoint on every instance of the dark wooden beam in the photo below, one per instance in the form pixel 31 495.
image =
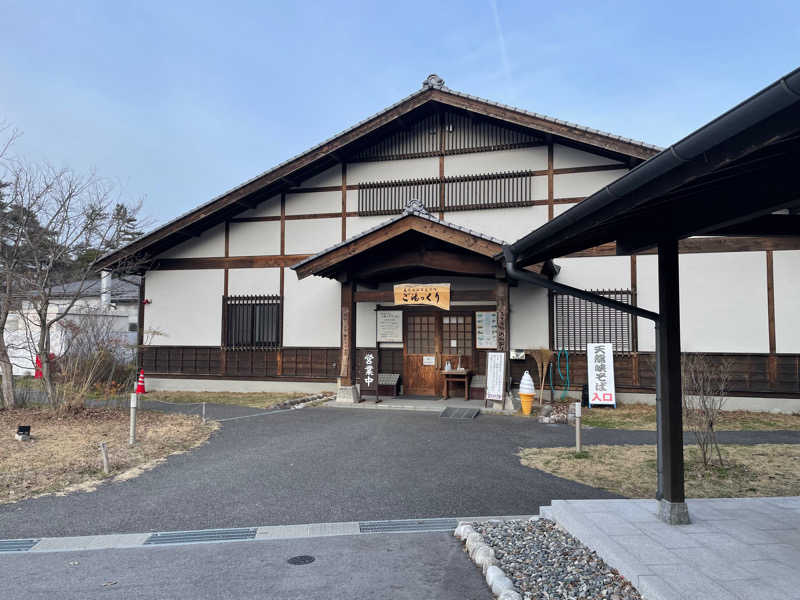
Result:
pixel 767 225
pixel 439 260
pixel 348 336
pixel 231 262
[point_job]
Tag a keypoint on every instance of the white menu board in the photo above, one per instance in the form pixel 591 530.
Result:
pixel 390 325
pixel 495 376
pixel 486 330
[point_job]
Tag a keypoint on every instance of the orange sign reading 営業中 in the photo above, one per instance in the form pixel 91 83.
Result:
pixel 435 294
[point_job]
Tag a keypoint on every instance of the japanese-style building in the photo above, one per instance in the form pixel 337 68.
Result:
pixel 278 283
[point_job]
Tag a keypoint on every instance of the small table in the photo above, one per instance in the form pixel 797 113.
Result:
pixel 456 375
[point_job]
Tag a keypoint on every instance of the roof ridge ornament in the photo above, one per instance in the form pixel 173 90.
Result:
pixel 433 81
pixel 415 205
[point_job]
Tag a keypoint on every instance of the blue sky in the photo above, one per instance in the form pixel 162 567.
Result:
pixel 180 101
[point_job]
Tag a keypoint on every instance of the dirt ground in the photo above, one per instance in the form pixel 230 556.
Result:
pixel 63 454
pixel 759 470
pixel 643 416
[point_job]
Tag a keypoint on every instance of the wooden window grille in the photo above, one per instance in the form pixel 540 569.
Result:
pixel 421 338
pixel 490 190
pixel 577 322
pixel 252 321
pixel 457 329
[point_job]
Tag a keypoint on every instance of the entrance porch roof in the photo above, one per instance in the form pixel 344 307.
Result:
pixel 413 242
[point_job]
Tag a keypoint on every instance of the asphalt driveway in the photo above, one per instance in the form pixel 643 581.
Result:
pixel 325 465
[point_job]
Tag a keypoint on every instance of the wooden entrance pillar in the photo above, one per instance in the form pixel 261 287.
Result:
pixel 347 358
pixel 503 331
pixel 670 495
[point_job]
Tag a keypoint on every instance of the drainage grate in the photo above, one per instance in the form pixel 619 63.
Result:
pixel 203 535
pixel 17 545
pixel 303 559
pixel 407 526
pixel 451 412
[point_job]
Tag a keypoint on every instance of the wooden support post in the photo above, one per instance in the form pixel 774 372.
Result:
pixel 347 360
pixel 672 502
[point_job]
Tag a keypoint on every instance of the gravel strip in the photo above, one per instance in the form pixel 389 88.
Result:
pixel 546 563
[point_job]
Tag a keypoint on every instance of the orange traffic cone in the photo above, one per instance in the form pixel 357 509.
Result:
pixel 140 384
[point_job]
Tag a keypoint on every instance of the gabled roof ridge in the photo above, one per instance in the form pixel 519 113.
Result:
pixel 433 85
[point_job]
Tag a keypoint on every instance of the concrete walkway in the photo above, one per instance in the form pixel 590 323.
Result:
pixel 418 403
pixel 746 548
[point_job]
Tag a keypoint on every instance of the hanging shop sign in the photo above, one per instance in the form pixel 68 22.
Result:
pixel 495 376
pixel 486 330
pixel 433 294
pixel 600 361
pixel 390 325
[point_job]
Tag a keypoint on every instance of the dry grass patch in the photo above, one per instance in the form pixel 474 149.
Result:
pixel 250 399
pixel 643 416
pixel 760 470
pixel 63 454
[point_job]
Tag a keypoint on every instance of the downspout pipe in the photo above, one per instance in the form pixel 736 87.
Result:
pixel 538 280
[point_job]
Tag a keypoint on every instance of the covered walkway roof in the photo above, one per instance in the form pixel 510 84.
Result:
pixel 728 178
pixel 735 176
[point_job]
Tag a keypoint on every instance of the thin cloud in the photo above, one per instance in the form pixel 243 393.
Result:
pixel 501 42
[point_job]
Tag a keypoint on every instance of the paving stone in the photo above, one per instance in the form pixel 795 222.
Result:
pixel 648 550
pixel 670 536
pixel 691 583
pixel 754 589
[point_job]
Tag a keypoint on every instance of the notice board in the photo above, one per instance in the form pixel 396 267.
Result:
pixel 486 330
pixel 496 376
pixel 390 326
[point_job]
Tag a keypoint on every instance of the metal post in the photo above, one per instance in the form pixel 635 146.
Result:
pixel 134 403
pixel 104 454
pixel 672 501
pixel 204 412
pixel 578 446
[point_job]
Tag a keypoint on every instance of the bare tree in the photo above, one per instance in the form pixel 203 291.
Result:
pixel 705 387
pixel 14 219
pixel 76 215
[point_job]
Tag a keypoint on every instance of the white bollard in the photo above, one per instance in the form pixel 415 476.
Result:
pixel 577 427
pixel 134 403
pixel 204 412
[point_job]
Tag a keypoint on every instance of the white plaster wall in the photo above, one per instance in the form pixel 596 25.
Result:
pixel 313 202
pixel 352 200
pixel 520 159
pixel 365 324
pixel 786 273
pixel 562 208
pixel 388 170
pixel 529 319
pixel 507 224
pixel 332 176
pixel 245 282
pixel 308 236
pixel 578 185
pixel 356 225
pixel 209 243
pixel 186 306
pixel 723 301
pixel 595 272
pixel 268 208
pixel 254 238
pixel 565 157
pixel 311 311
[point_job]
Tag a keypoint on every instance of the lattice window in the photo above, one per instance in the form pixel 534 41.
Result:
pixel 252 321
pixel 577 322
pixel 457 335
pixel 490 190
pixel 421 334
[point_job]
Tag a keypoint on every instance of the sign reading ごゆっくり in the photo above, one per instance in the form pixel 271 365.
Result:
pixel 600 362
pixel 434 294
